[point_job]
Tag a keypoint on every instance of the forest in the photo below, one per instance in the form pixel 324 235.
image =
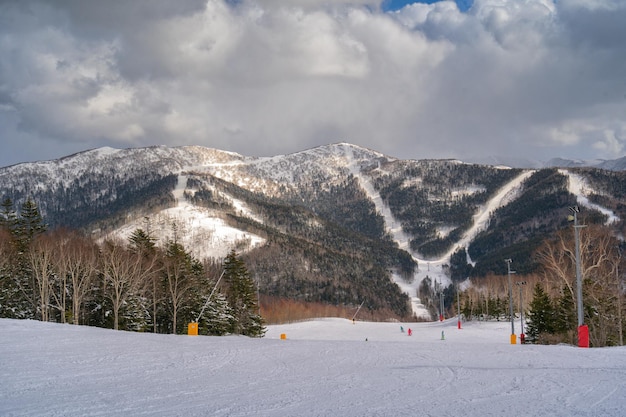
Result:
pixel 63 276
pixel 546 299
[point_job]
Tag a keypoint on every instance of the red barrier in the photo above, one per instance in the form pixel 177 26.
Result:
pixel 583 336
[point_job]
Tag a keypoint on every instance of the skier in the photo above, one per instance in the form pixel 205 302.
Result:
pixel 410 332
pixel 401 329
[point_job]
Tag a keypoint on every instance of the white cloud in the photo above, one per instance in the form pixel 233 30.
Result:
pixel 273 76
pixel 611 143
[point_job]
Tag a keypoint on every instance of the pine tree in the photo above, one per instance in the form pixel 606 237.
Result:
pixel 9 288
pixel 142 241
pixel 541 315
pixel 218 317
pixel 242 298
pixel 565 313
pixel 23 229
pixel 8 217
pixel 182 273
pixel 29 224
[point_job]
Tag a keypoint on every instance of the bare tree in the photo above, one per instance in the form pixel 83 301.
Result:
pixel 40 261
pixel 602 297
pixel 76 258
pixel 124 272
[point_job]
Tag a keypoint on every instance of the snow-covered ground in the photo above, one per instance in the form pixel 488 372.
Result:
pixel 325 367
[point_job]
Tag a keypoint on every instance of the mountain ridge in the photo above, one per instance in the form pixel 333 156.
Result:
pixel 379 217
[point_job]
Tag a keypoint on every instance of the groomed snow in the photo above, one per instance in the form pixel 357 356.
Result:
pixel 323 368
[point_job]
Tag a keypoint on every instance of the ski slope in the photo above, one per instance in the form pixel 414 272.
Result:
pixel 432 268
pixel 578 186
pixel 327 367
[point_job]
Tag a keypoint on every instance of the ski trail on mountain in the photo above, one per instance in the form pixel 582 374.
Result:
pixel 508 193
pixel 434 267
pixel 394 228
pixel 577 186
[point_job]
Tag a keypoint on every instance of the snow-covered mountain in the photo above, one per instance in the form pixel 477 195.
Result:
pixel 333 223
pixel 618 164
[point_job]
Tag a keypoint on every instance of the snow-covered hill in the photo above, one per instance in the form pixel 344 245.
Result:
pixel 107 183
pixel 325 367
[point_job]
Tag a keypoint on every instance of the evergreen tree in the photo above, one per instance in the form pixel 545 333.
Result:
pixel 142 241
pixel 9 289
pixel 29 224
pixel 565 313
pixel 541 315
pixel 182 275
pixel 8 217
pixel 242 298
pixel 218 316
pixel 20 289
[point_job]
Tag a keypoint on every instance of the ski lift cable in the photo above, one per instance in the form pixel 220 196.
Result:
pixel 357 310
pixel 210 295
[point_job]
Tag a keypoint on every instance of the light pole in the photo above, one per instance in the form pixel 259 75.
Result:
pixel 458 306
pixel 508 267
pixel 521 311
pixel 441 306
pixel 583 330
pixel 440 301
pixel 619 302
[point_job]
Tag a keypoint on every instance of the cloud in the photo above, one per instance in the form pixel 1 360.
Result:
pixel 507 77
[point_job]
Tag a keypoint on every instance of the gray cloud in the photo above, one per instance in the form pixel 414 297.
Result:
pixel 532 79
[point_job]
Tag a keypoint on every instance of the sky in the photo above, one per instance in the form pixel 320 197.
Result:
pixel 325 367
pixel 525 79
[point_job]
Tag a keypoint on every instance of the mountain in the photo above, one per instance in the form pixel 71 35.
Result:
pixel 336 224
pixel 509 161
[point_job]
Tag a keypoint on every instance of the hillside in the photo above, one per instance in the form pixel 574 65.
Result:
pixel 337 224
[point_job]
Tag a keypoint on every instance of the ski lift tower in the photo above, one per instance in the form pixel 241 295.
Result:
pixel 583 329
pixel 508 267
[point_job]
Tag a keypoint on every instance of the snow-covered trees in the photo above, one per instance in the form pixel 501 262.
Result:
pixel 217 318
pixel 60 275
pixel 241 296
pixel 22 267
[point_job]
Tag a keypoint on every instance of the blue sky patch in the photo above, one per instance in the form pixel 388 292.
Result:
pixel 391 5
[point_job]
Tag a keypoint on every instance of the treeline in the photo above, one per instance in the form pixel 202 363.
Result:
pixel 63 276
pixel 548 298
pixel 553 311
